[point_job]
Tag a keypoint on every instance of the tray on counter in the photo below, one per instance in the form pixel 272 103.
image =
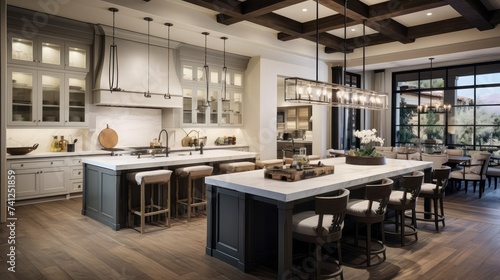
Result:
pixel 292 174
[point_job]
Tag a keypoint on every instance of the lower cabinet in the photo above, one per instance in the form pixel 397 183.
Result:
pixel 39 178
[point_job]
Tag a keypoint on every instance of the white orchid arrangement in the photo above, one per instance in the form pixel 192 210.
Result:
pixel 369 140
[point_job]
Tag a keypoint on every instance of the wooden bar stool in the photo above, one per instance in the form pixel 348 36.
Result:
pixel 157 200
pixel 234 167
pixel 191 174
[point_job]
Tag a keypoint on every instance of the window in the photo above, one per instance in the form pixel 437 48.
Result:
pixel 473 91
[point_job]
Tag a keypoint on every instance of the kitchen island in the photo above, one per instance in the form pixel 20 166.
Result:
pixel 105 184
pixel 249 217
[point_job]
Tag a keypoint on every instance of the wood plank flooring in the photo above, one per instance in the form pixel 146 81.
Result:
pixel 54 241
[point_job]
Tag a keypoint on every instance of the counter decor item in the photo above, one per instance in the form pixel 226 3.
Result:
pixel 293 174
pixel 15 151
pixel 366 154
pixel 108 138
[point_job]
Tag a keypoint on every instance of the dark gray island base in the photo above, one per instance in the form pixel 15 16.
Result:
pixel 105 185
pixel 249 217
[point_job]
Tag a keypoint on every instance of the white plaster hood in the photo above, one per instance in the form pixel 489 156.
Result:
pixel 133 74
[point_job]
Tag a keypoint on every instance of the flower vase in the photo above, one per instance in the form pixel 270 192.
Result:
pixel 360 160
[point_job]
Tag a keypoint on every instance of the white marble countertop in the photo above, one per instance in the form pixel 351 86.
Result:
pixel 345 176
pixel 102 152
pixel 59 154
pixel 128 162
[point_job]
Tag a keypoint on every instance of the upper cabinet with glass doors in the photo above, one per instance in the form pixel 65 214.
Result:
pixel 48 52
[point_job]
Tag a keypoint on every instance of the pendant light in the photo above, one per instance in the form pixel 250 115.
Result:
pixel 316 92
pixel 206 73
pixel 167 95
pixel 113 59
pixel 224 75
pixel 147 94
pixel 439 107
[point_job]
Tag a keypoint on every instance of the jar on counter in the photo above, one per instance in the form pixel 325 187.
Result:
pixel 63 144
pixel 54 145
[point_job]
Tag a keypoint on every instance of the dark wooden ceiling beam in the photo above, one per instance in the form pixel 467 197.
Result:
pixel 230 7
pixel 324 24
pixel 395 8
pixel 356 9
pixel 495 18
pixel 391 29
pixel 255 8
pixel 474 12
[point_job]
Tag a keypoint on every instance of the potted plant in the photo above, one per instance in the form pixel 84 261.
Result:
pixel 366 154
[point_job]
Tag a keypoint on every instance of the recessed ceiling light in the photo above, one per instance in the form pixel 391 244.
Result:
pixel 304 10
pixel 429 14
pixel 353 29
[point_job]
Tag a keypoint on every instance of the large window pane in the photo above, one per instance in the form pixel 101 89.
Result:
pixel 461 135
pixel 485 135
pixel 405 133
pixel 461 116
pixel 488 95
pixel 432 133
pixel 461 76
pixel 487 115
pixel 488 74
pixel 464 96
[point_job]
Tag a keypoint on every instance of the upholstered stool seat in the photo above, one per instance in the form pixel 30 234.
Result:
pixel 191 174
pixel 268 163
pixel 234 167
pixel 159 202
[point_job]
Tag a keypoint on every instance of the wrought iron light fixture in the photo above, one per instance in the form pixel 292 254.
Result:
pixel 113 59
pixel 316 92
pixel 206 74
pixel 167 95
pixel 438 107
pixel 223 92
pixel 147 94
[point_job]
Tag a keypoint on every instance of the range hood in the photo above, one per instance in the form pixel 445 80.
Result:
pixel 133 70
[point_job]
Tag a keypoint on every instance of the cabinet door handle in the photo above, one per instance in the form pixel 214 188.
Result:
pixel 79 172
pixel 22 165
pixel 51 163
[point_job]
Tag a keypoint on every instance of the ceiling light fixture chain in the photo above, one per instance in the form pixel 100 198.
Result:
pixel 113 59
pixel 147 93
pixel 224 74
pixel 167 95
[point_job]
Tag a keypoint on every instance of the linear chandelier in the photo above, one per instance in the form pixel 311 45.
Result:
pixel 301 90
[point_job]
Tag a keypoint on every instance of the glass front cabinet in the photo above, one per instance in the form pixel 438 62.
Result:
pixel 48 52
pixel 219 110
pixel 45 98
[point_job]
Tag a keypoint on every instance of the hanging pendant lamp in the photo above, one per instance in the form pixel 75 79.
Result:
pixel 147 94
pixel 429 107
pixel 206 73
pixel 113 59
pixel 224 75
pixel 167 95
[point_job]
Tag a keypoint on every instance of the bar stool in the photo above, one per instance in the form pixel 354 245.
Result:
pixel 435 191
pixel 369 211
pixel 159 178
pixel 191 174
pixel 260 164
pixel 400 201
pixel 234 167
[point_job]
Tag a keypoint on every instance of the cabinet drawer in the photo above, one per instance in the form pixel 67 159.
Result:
pixel 76 173
pixel 75 161
pixel 36 164
pixel 76 186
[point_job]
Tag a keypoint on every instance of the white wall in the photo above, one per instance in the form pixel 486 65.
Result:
pixel 262 80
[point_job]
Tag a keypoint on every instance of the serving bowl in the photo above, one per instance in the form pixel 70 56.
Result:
pixel 16 151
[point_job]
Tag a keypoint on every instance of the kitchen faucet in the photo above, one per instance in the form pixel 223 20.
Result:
pixel 159 140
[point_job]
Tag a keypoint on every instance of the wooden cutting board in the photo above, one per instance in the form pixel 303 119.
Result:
pixel 108 138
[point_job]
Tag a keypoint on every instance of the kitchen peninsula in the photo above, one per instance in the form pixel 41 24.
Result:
pixel 105 195
pixel 250 217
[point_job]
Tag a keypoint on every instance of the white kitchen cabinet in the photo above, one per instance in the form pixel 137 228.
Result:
pixel 297 118
pixel 46 98
pixel 75 172
pixel 39 178
pixel 48 52
pixel 222 110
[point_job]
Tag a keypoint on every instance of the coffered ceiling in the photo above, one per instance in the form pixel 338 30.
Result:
pixel 398 33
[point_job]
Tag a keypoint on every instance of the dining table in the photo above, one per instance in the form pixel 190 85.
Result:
pixel 458 159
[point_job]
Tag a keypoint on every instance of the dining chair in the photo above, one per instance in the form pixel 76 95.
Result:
pixel 473 171
pixel 323 226
pixel 455 152
pixel 437 159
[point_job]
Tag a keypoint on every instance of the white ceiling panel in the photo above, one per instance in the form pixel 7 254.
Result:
pixel 438 14
pixel 297 13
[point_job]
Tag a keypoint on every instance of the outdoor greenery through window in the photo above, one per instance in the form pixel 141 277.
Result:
pixel 473 119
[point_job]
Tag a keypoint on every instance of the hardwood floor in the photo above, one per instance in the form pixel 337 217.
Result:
pixel 53 241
